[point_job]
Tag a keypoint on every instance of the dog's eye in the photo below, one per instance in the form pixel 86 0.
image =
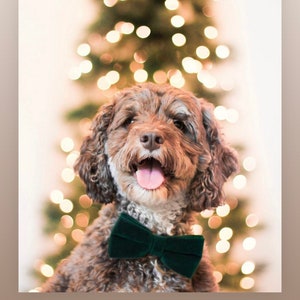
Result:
pixel 180 125
pixel 128 121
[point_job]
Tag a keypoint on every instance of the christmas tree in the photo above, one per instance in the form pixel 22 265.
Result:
pixel 175 42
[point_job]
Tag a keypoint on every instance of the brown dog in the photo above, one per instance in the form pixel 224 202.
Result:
pixel 155 153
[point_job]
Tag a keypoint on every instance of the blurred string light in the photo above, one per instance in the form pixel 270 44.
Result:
pixel 249 243
pixel 179 39
pixel 67 144
pixel 67 221
pixel 140 75
pixel 172 4
pixel 252 220
pixel 143 32
pixel 248 267
pixel 211 32
pixel 177 21
pixel 66 206
pixel 110 3
pixel 247 283
pixel 239 182
pixel 191 65
pixel 222 113
pixel 202 52
pixel 249 163
pixel 68 175
pixel 160 77
pixel 125 27
pixel 85 66
pixel 71 158
pixel 60 239
pixel 222 51
pixel 113 36
pixel 46 270
pixel 84 49
pixel 56 196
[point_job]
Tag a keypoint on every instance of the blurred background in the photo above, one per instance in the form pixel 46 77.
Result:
pixel 75 54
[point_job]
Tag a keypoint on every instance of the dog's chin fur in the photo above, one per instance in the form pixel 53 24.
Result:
pixel 193 161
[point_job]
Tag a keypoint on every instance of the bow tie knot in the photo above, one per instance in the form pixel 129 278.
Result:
pixel 130 239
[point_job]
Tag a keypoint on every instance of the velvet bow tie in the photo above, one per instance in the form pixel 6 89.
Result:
pixel 130 239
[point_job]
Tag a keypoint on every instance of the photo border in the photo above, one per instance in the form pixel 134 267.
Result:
pixel 9 166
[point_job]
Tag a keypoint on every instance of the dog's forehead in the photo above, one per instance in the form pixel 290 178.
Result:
pixel 169 102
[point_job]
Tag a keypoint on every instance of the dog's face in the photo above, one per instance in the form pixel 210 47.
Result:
pixel 153 144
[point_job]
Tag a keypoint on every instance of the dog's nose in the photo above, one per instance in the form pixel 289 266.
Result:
pixel 151 140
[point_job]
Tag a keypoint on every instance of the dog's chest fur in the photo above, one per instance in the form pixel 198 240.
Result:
pixel 146 274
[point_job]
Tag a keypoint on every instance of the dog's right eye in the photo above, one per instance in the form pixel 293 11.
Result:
pixel 128 121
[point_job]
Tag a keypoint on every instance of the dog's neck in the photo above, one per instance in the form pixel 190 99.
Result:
pixel 160 220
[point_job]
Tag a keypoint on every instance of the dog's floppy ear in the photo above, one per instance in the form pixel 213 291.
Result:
pixel 206 187
pixel 92 164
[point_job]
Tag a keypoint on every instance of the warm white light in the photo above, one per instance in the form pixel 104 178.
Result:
pixel 47 270
pixel 74 73
pixel 226 233
pixel 252 220
pixel 66 206
pixel 177 21
pixel 140 57
pixel 220 112
pixel 60 239
pixel 56 196
pixel 143 32
pixel 84 49
pixel 71 158
pixel 249 243
pixel 67 175
pixel 110 3
pixel 178 39
pixel 222 51
pixel 127 28
pixel 140 75
pixel 211 32
pixel 113 36
pixel 171 4
pixel 202 52
pixel 86 66
pixel 207 79
pixel 248 267
pixel 113 77
pixel 197 229
pixel 67 144
pixel 223 210
pixel 232 115
pixel 103 84
pixel 239 182
pixel 247 283
pixel 177 80
pixel 249 163
pixel 160 76
pixel 218 276
pixel 222 246
pixel 191 65
pixel 207 213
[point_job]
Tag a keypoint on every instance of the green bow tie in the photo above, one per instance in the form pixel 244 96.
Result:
pixel 130 239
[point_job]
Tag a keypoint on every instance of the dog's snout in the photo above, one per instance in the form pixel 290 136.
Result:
pixel 151 140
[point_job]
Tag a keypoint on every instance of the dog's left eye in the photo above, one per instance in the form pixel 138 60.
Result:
pixel 180 125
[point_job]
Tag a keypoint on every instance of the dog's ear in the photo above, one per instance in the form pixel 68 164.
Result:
pixel 92 164
pixel 206 187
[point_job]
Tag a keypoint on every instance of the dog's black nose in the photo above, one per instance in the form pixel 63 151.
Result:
pixel 151 140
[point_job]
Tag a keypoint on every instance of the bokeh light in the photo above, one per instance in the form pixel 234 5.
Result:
pixel 210 32
pixel 178 39
pixel 84 49
pixel 249 163
pixel 143 32
pixel 249 243
pixel 47 270
pixel 56 196
pixel 202 52
pixel 247 283
pixel 177 21
pixel 222 246
pixel 239 182
pixel 67 144
pixel 248 267
pixel 171 4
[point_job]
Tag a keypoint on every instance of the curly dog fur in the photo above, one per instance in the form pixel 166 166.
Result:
pixel 147 126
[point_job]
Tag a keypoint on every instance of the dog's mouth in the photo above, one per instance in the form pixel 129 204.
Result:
pixel 149 173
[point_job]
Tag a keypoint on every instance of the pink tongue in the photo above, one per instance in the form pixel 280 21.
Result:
pixel 150 175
